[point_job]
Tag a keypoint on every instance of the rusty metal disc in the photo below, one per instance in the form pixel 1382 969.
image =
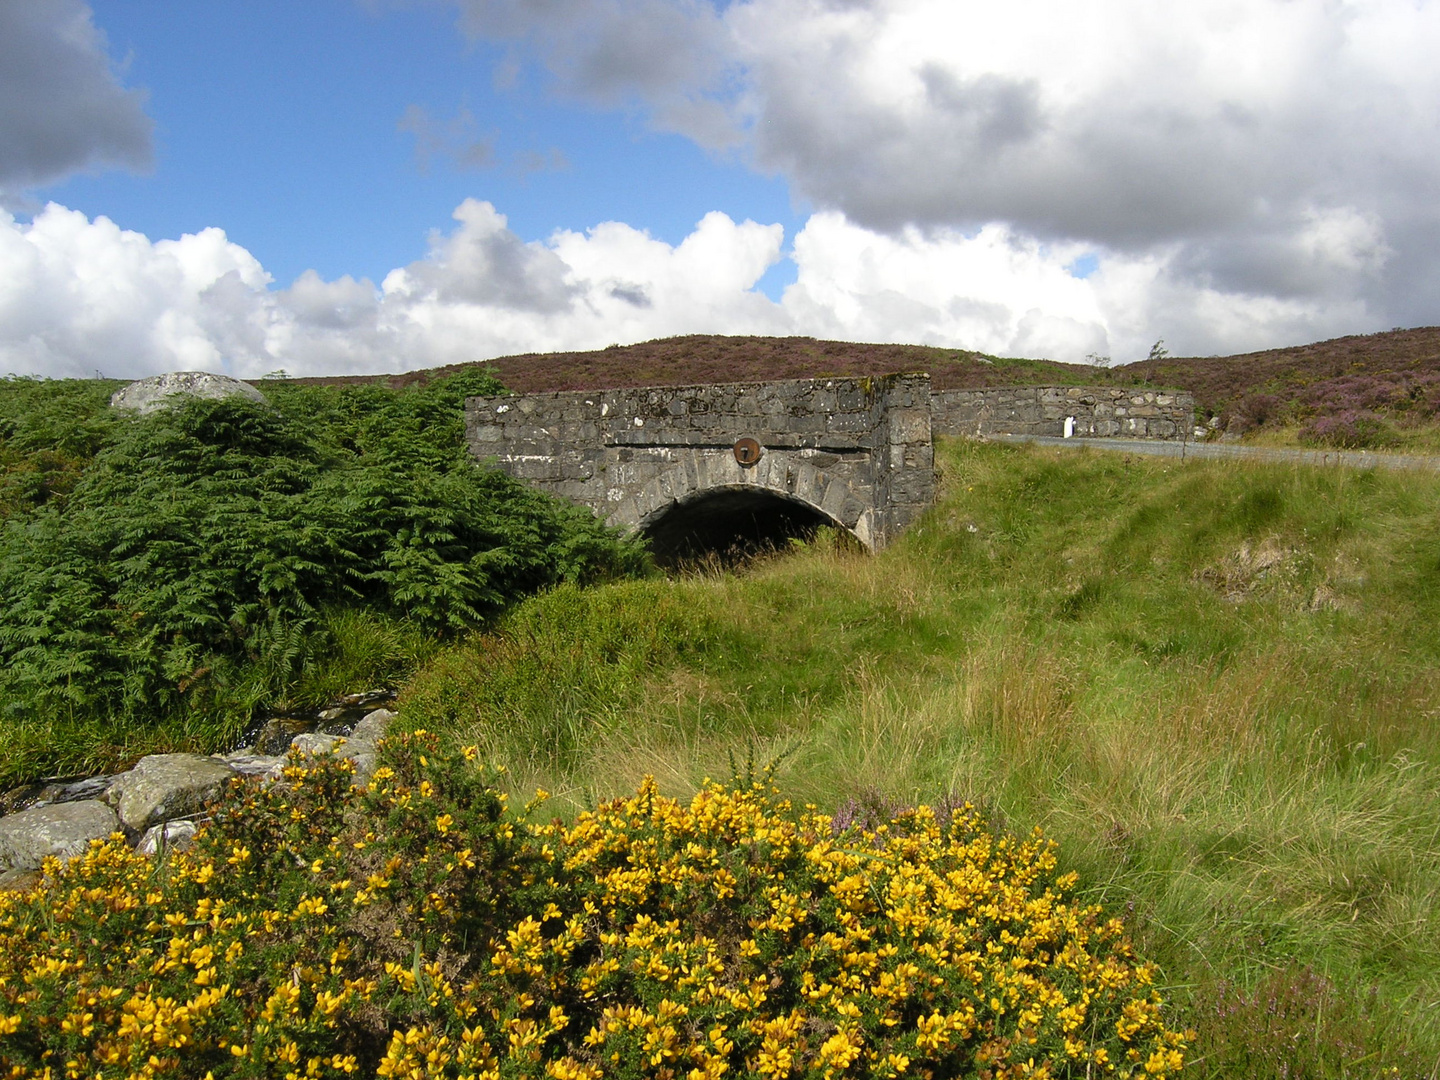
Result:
pixel 747 451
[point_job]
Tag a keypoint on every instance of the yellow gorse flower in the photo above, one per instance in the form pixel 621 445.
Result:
pixel 726 936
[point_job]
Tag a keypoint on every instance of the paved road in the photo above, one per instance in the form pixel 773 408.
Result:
pixel 1357 459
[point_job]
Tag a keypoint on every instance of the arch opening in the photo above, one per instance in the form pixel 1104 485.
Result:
pixel 732 525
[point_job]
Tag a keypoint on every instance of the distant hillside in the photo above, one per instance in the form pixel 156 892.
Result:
pixel 1363 390
pixel 704 358
pixel 1395 374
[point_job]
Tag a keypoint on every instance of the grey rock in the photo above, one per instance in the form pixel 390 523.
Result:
pixel 248 764
pixel 160 391
pixel 49 792
pixel 360 747
pixel 359 743
pixel 278 732
pixel 166 786
pixel 65 830
pixel 366 697
pixel 172 835
pixel 93 787
pixel 364 768
pixel 315 743
pixel 373 727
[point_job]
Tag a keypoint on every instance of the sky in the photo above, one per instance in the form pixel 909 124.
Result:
pixel 358 186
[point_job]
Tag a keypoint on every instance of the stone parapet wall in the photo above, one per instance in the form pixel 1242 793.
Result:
pixel 856 449
pixel 1101 412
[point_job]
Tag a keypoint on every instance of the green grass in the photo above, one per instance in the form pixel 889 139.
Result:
pixel 1401 438
pixel 1216 685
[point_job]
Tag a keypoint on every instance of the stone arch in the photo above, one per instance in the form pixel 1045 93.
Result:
pixel 785 475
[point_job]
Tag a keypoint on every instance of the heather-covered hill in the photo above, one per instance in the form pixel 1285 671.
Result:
pixel 1395 374
pixel 705 358
pixel 1370 390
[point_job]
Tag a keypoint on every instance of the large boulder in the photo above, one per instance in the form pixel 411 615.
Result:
pixel 370 731
pixel 65 830
pixel 158 391
pixel 166 786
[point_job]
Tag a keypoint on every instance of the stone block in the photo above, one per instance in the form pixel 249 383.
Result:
pixel 533 467
pixel 910 425
pixel 848 423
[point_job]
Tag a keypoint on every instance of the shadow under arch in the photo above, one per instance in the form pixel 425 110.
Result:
pixel 713 506
pixel 730 524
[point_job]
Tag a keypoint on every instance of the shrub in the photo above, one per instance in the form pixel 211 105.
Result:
pixel 429 931
pixel 49 432
pixel 1349 429
pixel 195 566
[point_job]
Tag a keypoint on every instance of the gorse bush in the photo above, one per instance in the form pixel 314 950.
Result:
pixel 428 931
pixel 194 567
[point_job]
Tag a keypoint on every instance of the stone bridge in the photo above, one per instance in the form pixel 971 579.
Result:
pixel 702 468
pixel 699 468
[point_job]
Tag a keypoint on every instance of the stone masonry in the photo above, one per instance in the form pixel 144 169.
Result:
pixel 857 450
pixel 1097 412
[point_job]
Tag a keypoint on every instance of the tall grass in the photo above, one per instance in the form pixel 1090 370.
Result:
pixel 1214 684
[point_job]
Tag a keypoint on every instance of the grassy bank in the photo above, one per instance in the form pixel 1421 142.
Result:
pixel 1215 685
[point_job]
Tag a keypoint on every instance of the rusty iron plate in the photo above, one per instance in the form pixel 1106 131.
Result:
pixel 747 451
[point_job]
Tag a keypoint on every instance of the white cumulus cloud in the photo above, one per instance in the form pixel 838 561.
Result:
pixel 79 295
pixel 1275 152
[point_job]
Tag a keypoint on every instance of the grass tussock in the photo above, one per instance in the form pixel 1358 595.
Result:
pixel 1214 685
